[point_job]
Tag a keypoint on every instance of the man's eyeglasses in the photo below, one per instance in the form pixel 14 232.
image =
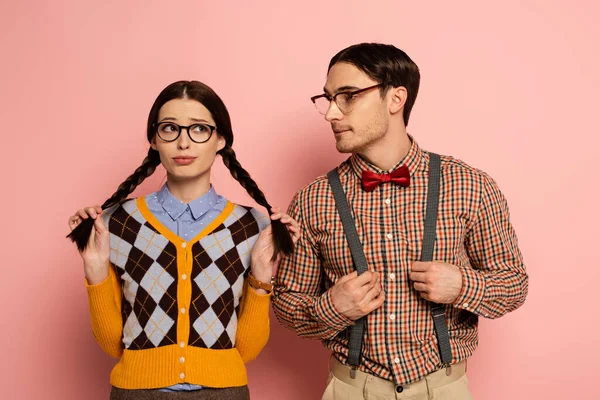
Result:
pixel 343 100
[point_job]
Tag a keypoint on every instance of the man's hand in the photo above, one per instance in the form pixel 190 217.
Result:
pixel 436 281
pixel 356 296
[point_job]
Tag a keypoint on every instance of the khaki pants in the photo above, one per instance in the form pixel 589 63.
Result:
pixel 435 386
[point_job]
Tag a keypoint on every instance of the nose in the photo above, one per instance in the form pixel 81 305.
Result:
pixel 333 112
pixel 183 142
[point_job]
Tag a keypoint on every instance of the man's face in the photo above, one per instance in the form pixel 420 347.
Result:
pixel 368 118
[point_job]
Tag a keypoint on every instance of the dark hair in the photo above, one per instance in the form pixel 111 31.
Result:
pixel 385 64
pixel 202 93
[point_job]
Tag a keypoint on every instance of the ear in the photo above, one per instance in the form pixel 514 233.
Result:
pixel 220 142
pixel 153 143
pixel 397 99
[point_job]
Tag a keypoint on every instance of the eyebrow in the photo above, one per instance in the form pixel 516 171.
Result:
pixel 343 89
pixel 191 119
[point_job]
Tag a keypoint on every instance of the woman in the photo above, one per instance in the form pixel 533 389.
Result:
pixel 179 280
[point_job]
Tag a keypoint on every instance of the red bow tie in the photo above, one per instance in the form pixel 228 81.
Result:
pixel 400 177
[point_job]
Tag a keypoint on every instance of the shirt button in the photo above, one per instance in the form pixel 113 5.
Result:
pixel 466 305
pixel 182 344
pixel 392 277
pixel 183 276
pixel 184 245
pixel 183 310
pixel 392 317
pixel 182 360
pixel 397 360
pixel 387 201
pixel 389 236
pixel 182 375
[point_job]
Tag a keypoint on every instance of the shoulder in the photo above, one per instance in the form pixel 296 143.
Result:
pixel 121 212
pixel 247 218
pixel 467 183
pixel 458 173
pixel 314 190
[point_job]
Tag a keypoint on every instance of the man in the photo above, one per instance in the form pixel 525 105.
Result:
pixel 476 269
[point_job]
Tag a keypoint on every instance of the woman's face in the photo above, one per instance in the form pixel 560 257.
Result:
pixel 183 158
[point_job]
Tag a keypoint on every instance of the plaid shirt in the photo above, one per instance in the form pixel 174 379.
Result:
pixel 473 232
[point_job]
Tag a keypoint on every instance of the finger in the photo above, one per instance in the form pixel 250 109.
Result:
pixel 372 293
pixel 419 266
pixel 98 209
pixel 376 302
pixel 295 234
pixel 73 225
pixel 417 276
pixel 82 214
pixel 287 219
pixel 421 287
pixel 92 238
pixel 374 282
pixel 100 227
pixel 91 212
pixel 345 278
pixel 364 278
pixel 425 295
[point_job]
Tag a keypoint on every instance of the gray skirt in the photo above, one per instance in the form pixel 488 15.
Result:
pixel 234 393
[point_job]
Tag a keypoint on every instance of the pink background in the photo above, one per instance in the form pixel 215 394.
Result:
pixel 511 88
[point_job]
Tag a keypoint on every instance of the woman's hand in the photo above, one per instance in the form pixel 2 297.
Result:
pixel 96 254
pixel 262 267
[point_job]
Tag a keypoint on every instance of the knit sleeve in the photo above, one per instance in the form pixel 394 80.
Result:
pixel 253 324
pixel 105 312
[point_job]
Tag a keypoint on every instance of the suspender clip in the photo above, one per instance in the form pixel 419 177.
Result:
pixel 448 369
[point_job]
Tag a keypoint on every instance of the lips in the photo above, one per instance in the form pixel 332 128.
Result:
pixel 339 129
pixel 184 160
pixel 338 132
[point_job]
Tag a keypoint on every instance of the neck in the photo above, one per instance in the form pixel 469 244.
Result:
pixel 389 150
pixel 189 189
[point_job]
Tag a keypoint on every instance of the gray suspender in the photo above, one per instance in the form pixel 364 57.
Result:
pixel 438 311
pixel 355 337
pixel 360 262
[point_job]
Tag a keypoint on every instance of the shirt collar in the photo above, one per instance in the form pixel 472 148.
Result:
pixel 412 160
pixel 175 207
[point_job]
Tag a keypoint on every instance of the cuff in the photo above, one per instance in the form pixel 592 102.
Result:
pixel 329 315
pixel 256 302
pixel 473 290
pixel 101 295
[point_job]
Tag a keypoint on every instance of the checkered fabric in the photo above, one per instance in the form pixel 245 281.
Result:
pixel 146 263
pixel 473 232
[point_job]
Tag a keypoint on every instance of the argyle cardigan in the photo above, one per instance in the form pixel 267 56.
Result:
pixel 178 311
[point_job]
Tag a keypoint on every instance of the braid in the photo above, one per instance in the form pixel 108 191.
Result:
pixel 81 233
pixel 281 237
